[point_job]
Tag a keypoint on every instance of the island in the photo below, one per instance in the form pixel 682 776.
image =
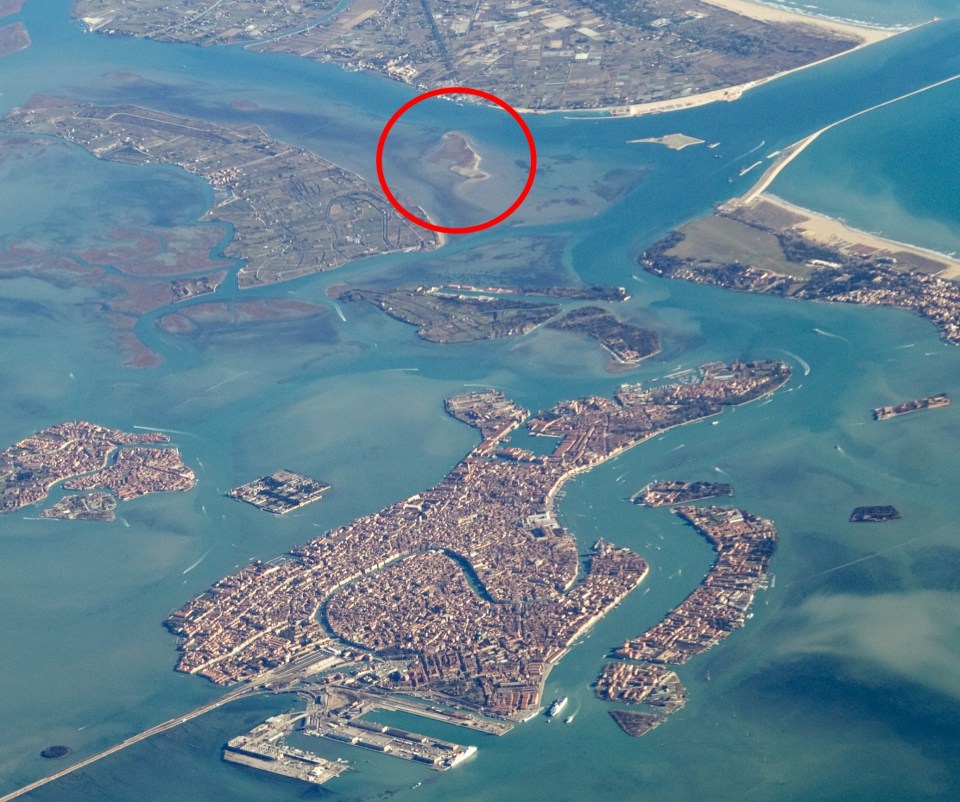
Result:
pixel 635 723
pixel 471 591
pixel 459 314
pixel 672 141
pixel 670 493
pixel 89 507
pixel 918 405
pixel 281 492
pixel 626 343
pixel 452 317
pixel 653 55
pixel 85 456
pixel 459 155
pixel 743 543
pixel 763 245
pixel 13 38
pixel 293 213
pixel 874 514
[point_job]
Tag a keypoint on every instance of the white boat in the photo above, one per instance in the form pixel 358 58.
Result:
pixel 557 707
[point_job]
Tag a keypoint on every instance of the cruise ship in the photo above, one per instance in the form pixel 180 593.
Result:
pixel 557 707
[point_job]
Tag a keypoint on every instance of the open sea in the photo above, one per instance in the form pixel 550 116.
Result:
pixel 845 684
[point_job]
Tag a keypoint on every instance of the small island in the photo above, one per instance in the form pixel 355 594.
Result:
pixel 280 493
pixel 626 343
pixel 931 402
pixel 672 141
pixel 80 507
pixel 635 723
pixel 667 494
pixel 459 155
pixel 874 514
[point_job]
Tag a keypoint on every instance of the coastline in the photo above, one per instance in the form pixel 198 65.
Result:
pixel 770 13
pixel 791 152
pixel 868 36
pixel 833 231
pixel 469 170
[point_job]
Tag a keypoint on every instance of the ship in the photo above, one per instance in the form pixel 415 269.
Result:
pixel 557 707
pixel 931 402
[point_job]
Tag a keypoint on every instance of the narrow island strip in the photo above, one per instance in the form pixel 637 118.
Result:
pixel 744 544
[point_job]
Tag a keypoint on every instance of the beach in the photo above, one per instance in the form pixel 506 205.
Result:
pixel 865 35
pixel 766 13
pixel 836 233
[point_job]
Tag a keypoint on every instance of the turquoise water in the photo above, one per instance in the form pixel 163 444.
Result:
pixel 843 685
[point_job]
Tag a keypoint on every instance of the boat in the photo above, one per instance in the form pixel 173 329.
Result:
pixel 557 707
pixel 568 719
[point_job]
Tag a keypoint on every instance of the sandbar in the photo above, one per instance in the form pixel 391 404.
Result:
pixel 728 94
pixel 13 38
pixel 463 156
pixel 10 7
pixel 837 234
pixel 765 13
pixel 672 141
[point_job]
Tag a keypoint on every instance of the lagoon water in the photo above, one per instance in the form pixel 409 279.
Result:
pixel 845 683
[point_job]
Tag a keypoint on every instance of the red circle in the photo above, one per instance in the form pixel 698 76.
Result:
pixel 457 90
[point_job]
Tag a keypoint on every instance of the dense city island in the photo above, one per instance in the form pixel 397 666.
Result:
pixel 85 456
pixel 562 54
pixel 743 543
pixel 472 590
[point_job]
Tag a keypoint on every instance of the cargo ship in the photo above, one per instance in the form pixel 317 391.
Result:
pixel 557 707
pixel 931 402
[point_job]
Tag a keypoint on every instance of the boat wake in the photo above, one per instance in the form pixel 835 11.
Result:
pixel 164 431
pixel 829 334
pixel 202 558
pixel 800 360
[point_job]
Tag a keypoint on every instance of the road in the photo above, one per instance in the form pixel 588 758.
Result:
pixel 247 690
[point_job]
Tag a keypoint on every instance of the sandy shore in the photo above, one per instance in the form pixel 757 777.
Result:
pixel 865 35
pixel 672 141
pixel 766 13
pixel 788 154
pixel 831 231
pixel 466 160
